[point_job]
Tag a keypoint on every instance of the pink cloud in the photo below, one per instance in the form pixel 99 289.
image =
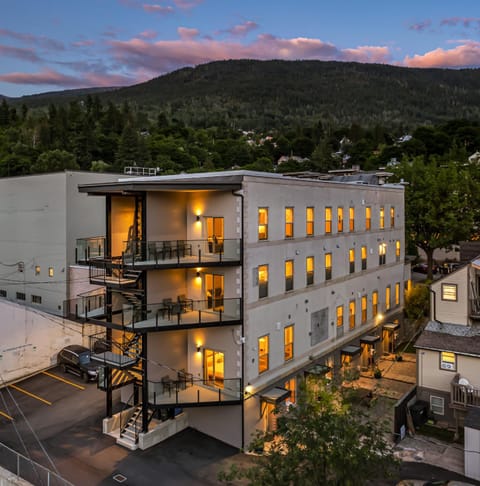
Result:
pixel 19 53
pixel 420 26
pixel 148 34
pixel 40 41
pixel 83 43
pixel 157 9
pixel 187 34
pixel 187 4
pixel 242 30
pixel 374 54
pixel 465 55
pixel 464 21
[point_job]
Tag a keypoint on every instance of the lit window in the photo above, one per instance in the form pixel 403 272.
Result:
pixel 382 253
pixel 262 223
pixel 397 293
pixel 288 275
pixel 37 269
pixel 340 316
pixel 364 257
pixel 262 281
pixel 382 217
pixel 387 297
pixel 351 259
pixel 448 361
pixel 351 314
pixel 310 215
pixel 291 385
pixel 449 292
pixel 392 217
pixel 368 218
pixel 310 264
pixel 50 271
pixel 262 354
pixel 288 222
pixel 328 266
pixel 374 303
pixel 397 250
pixel 36 299
pixel 288 343
pixel 340 220
pixel 364 309
pixel 328 220
pixel 351 219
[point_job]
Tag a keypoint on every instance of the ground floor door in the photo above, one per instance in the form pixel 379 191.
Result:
pixel 214 291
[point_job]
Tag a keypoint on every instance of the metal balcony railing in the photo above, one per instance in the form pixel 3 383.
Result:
pixel 88 248
pixel 155 253
pixel 84 307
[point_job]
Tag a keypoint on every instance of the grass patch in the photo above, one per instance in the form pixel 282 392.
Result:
pixel 408 348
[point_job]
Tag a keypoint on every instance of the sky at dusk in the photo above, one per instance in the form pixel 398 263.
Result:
pixel 51 45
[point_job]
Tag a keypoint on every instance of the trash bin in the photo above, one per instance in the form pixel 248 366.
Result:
pixel 419 413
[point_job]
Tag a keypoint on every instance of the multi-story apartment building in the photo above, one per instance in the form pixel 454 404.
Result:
pixel 222 290
pixel 448 350
pixel 41 217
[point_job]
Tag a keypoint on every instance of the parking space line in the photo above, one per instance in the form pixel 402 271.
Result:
pixel 59 378
pixel 3 414
pixel 21 390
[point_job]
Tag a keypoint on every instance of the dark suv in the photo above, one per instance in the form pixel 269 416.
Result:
pixel 76 359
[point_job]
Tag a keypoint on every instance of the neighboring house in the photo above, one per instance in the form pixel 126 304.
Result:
pixel 448 350
pixel 222 290
pixel 41 217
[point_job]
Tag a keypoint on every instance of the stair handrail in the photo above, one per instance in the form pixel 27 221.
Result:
pixel 126 405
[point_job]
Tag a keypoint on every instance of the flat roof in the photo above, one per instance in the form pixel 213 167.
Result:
pixel 391 326
pixel 351 350
pixel 370 339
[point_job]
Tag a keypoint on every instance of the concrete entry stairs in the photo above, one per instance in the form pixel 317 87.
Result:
pixel 129 435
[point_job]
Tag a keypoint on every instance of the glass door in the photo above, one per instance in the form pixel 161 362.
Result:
pixel 214 291
pixel 214 368
pixel 215 234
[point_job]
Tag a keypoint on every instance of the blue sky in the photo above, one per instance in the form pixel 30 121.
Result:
pixel 55 45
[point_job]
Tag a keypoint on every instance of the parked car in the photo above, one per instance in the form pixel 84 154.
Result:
pixel 76 359
pixel 423 268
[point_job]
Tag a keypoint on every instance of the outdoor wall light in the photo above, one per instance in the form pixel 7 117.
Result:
pixel 248 389
pixel 199 348
pixel 198 218
pixel 198 274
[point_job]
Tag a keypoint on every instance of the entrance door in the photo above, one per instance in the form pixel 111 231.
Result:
pixel 215 234
pixel 214 368
pixel 214 291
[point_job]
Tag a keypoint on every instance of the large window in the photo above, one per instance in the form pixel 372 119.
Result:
pixel 382 218
pixel 364 257
pixel 351 219
pixel 328 266
pixel 368 218
pixel 262 281
pixel 328 220
pixel 340 220
pixel 382 253
pixel 392 216
pixel 214 368
pixel 288 275
pixel 288 343
pixel 448 361
pixel 340 316
pixel 310 266
pixel 291 385
pixel 374 303
pixel 449 292
pixel 263 354
pixel 364 309
pixel 388 296
pixel 262 223
pixel 288 222
pixel 351 314
pixel 397 250
pixel 310 216
pixel 351 259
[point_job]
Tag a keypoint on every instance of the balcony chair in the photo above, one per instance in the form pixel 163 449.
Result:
pixel 167 384
pixel 185 379
pixel 168 250
pixel 186 304
pixel 184 248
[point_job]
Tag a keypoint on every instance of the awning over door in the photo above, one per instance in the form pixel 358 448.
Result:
pixel 370 339
pixel 318 370
pixel 351 351
pixel 275 395
pixel 390 326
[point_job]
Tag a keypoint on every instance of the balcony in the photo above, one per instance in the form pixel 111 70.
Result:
pixel 463 395
pixel 184 253
pixel 168 315
pixel 112 272
pixel 88 248
pixel 194 392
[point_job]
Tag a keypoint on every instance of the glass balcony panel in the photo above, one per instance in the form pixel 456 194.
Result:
pixel 88 248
